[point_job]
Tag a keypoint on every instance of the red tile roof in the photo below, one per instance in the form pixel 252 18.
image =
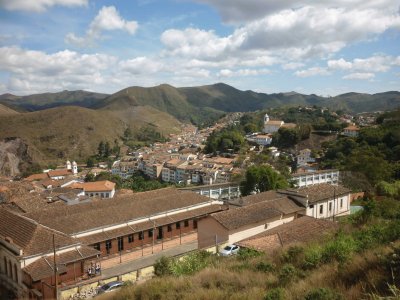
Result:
pixel 274 200
pixel 318 192
pixel 125 230
pixel 352 128
pixel 239 217
pixel 98 186
pixel 43 267
pixel 86 216
pixel 29 236
pixel 61 172
pixel 34 177
pixel 302 229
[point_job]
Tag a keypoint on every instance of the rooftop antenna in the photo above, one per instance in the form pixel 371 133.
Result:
pixel 55 269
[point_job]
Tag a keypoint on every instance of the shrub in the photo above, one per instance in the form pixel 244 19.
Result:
pixel 339 249
pixel 287 273
pixel 384 188
pixel 388 209
pixel 392 262
pixel 312 257
pixel 191 263
pixel 275 294
pixel 292 254
pixel 247 253
pixel 265 267
pixel 392 231
pixel 162 266
pixel 322 294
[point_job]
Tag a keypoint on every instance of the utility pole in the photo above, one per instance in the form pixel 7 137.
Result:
pixel 142 241
pixel 55 269
pixel 154 229
pixel 119 243
pixel 334 196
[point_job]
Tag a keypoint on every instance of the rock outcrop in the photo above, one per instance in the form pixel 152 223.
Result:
pixel 14 157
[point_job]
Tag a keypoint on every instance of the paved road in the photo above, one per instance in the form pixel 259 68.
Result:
pixel 146 261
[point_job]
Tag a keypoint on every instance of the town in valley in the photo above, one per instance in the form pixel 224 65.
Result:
pixel 199 149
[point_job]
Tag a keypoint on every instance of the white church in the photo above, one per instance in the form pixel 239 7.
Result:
pixel 271 126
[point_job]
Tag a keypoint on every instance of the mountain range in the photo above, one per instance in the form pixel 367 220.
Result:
pixel 70 124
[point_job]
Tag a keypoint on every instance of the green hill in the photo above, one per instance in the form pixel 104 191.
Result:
pixel 49 100
pixel 199 105
pixel 74 132
pixel 355 102
pixel 164 98
pixel 205 103
pixel 64 131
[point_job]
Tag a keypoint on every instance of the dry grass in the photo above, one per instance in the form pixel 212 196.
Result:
pixel 362 277
pixel 55 134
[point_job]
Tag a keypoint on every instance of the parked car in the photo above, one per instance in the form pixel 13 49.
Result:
pixel 111 286
pixel 229 250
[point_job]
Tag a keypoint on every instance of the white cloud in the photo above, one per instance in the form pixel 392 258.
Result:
pixel 39 5
pixel 239 11
pixel 30 72
pixel 284 35
pixel 140 65
pixel 360 76
pixel 340 64
pixel 35 71
pixel 195 43
pixel 292 65
pixel 376 63
pixel 242 72
pixel 193 73
pixel 314 71
pixel 22 61
pixel 236 11
pixel 107 19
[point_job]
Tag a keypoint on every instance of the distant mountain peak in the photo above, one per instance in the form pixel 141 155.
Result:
pixel 291 93
pixel 8 96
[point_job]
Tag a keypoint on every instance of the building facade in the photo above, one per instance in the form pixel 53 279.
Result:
pixel 317 177
pixel 322 201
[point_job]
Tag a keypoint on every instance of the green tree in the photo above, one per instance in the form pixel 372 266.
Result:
pixel 304 131
pixel 89 177
pixel 250 127
pixel 116 148
pixel 370 162
pixel 262 178
pixel 224 140
pixel 286 138
pixel 101 149
pixel 90 162
pixel 107 149
pixel 128 134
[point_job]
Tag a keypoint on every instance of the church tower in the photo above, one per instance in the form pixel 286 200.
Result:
pixel 266 118
pixel 69 167
pixel 74 167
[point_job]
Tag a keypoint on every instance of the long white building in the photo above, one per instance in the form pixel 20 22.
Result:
pixel 311 178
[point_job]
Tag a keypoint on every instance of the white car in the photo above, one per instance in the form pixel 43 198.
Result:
pixel 111 286
pixel 229 250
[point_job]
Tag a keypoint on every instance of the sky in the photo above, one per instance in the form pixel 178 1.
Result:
pixel 308 46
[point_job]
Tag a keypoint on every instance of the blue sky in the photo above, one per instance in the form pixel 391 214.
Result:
pixel 322 47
